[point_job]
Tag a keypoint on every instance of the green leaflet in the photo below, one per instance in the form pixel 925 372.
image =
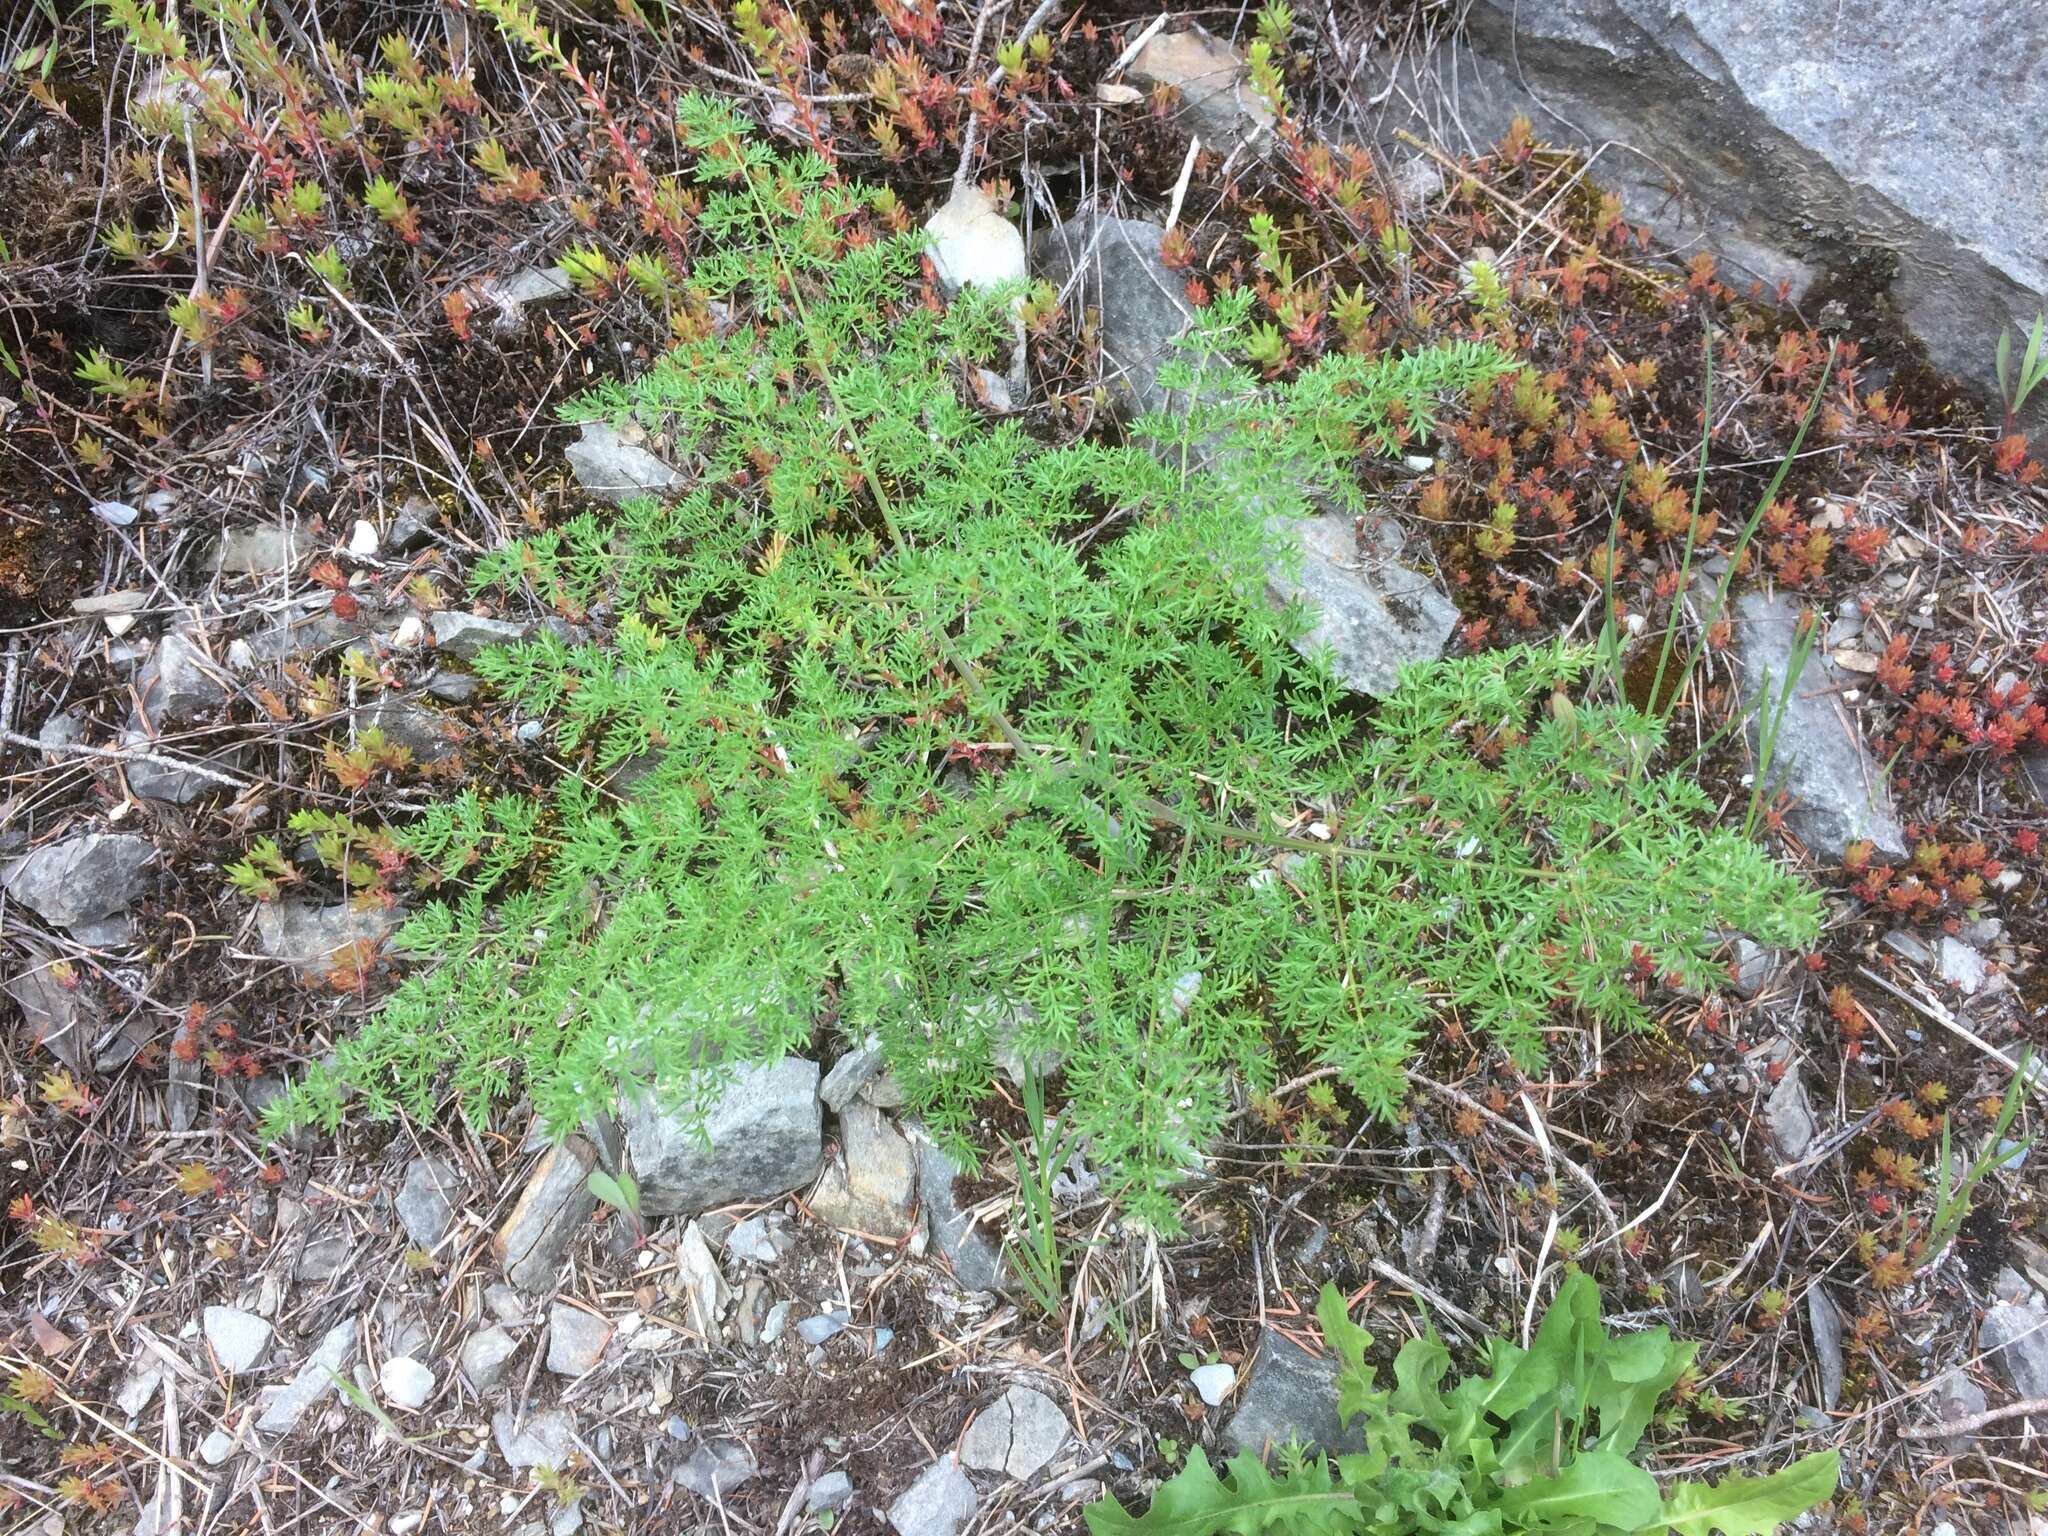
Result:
pixel 1502 1453
pixel 1750 1505
pixel 1251 1500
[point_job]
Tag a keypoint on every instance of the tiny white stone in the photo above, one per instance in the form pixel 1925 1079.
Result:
pixel 1213 1382
pixel 405 1382
pixel 410 632
pixel 363 542
pixel 241 656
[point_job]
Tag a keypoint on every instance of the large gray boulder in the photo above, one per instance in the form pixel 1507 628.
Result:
pixel 1886 153
pixel 761 1135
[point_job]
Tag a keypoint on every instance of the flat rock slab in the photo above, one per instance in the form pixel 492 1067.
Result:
pixel 761 1135
pixel 553 1207
pixel 467 636
pixel 180 682
pixel 1214 84
pixel 1016 1434
pixel 1290 1393
pixel 538 1440
pixel 314 940
pixel 81 879
pixel 238 1339
pixel 977 1261
pixel 1373 614
pixel 576 1339
pixel 1838 790
pixel 1113 267
pixel 2014 1337
pixel 1795 140
pixel 608 466
pixel 330 1358
pixel 485 1354
pixel 426 1200
pixel 939 1503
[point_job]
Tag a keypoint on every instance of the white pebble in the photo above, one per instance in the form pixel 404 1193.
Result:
pixel 405 1382
pixel 1213 1382
pixel 363 542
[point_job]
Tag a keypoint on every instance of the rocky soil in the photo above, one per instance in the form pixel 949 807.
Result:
pixel 814 1316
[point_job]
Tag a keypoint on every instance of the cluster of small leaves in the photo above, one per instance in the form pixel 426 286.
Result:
pixel 987 748
pixel 1541 1440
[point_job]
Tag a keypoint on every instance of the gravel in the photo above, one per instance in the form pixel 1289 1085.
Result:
pixel 238 1339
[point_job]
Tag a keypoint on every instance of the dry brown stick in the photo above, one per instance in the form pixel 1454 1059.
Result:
pixel 1529 213
pixel 1975 1421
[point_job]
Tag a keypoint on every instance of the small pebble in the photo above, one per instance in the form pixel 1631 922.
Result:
pixel 1213 1382
pixel 405 1383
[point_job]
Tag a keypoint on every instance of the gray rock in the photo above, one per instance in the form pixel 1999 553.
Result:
pixel 263 550
pixel 330 1358
pixel 545 1440
pixel 1961 966
pixel 530 285
pixel 715 1468
pixel 608 466
pixel 1909 945
pixel 761 1136
pixel 81 880
pixel 426 1200
pixel 505 1303
pixel 2034 769
pixel 323 1258
pixel 849 1074
pixel 705 1292
pixel 1016 1434
pixel 179 683
pixel 1839 794
pixel 576 1339
pixel 977 1262
pixel 1788 1116
pixel 761 1239
pixel 485 1354
pixel 2015 1338
pixel 311 627
pixel 872 1186
pixel 453 687
pixel 216 1448
pixel 1886 149
pixel 1214 83
pixel 1289 1393
pixel 826 1325
pixel 405 1383
pixel 170 780
pixel 937 1504
pixel 1825 1324
pixel 554 1206
pixel 238 1339
pixel 64 729
pixel 1374 614
pixel 971 242
pixel 56 1018
pixel 1754 966
pixel 467 636
pixel 425 732
pixel 413 527
pixel 1955 1397
pixel 314 940
pixel 831 1492
pixel 1141 304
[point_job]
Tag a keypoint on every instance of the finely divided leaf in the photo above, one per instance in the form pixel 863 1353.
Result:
pixel 1749 1506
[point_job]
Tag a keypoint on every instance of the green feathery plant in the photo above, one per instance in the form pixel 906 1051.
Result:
pixel 986 747
pixel 1544 1439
